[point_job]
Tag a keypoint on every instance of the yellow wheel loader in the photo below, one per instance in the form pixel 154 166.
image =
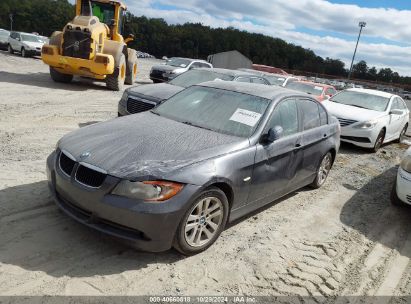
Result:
pixel 92 45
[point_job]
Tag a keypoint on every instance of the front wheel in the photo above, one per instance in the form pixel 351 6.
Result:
pixel 23 52
pixel 203 222
pixel 116 80
pixel 11 51
pixel 379 141
pixel 60 77
pixel 131 72
pixel 323 171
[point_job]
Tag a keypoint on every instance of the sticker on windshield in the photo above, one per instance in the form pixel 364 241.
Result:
pixel 246 117
pixel 318 88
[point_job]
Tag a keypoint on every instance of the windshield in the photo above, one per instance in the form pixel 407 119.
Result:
pixel 275 80
pixel 178 62
pixel 218 110
pixel 103 11
pixel 308 88
pixel 193 77
pixel 30 38
pixel 362 100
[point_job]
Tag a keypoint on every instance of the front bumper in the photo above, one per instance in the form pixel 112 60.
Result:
pixel 78 66
pixel 365 138
pixel 146 226
pixel 404 186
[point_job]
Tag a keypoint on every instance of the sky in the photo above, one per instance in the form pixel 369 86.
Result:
pixel 329 28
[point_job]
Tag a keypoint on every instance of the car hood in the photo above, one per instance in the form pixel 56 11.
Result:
pixel 349 112
pixel 33 44
pixel 164 68
pixel 145 145
pixel 157 92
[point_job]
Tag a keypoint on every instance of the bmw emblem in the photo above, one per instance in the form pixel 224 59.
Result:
pixel 84 155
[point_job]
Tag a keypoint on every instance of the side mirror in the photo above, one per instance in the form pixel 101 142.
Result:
pixel 18 39
pixel 274 134
pixel 396 112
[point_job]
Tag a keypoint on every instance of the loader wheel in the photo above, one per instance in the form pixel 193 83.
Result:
pixel 60 77
pixel 116 80
pixel 131 72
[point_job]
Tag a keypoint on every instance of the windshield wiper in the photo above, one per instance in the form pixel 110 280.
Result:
pixel 357 106
pixel 193 125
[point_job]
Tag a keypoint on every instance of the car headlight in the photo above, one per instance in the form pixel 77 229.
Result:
pixel 367 125
pixel 154 191
pixel 406 164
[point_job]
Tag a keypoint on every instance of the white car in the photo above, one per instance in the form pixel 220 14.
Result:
pixel 24 43
pixel 369 118
pixel 401 192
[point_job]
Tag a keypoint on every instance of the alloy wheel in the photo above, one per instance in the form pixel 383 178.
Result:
pixel 204 221
pixel 324 169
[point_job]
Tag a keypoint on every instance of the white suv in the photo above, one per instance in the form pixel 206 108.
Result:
pixel 24 43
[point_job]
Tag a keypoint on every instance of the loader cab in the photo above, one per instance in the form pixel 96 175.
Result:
pixel 109 12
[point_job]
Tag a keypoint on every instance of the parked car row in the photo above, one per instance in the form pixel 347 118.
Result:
pixel 210 146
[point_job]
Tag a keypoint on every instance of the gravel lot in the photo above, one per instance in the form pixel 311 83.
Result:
pixel 344 239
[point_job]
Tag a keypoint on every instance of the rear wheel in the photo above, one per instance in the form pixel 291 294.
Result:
pixel 11 51
pixel 203 222
pixel 131 72
pixel 402 134
pixel 116 80
pixel 323 171
pixel 379 141
pixel 60 77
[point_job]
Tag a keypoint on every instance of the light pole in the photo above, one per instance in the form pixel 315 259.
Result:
pixel 11 22
pixel 362 24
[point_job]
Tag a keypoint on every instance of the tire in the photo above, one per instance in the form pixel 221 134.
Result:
pixel 395 201
pixel 402 134
pixel 379 141
pixel 60 77
pixel 116 80
pixel 190 241
pixel 131 72
pixel 11 51
pixel 322 172
pixel 23 52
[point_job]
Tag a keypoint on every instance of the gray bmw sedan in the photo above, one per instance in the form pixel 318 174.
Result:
pixel 176 175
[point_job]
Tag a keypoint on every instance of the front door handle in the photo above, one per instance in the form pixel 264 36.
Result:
pixel 298 145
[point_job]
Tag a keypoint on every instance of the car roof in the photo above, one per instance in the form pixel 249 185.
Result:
pixel 373 92
pixel 234 73
pixel 259 90
pixel 262 73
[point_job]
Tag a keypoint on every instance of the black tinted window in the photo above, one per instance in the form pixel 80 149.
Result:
pixel 311 114
pixel 323 116
pixel 285 115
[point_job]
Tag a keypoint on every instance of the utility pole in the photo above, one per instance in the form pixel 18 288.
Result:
pixel 362 24
pixel 11 22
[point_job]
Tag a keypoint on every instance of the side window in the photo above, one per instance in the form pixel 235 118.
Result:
pixel 195 65
pixel 204 65
pixel 330 92
pixel 258 80
pixel 323 116
pixel 311 114
pixel 395 104
pixel 243 79
pixel 285 115
pixel 403 106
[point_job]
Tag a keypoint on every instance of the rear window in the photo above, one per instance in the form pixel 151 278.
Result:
pixel 308 88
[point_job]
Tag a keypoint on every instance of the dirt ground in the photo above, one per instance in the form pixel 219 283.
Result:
pixel 344 239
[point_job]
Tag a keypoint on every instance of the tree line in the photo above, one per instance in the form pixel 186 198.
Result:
pixel 157 37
